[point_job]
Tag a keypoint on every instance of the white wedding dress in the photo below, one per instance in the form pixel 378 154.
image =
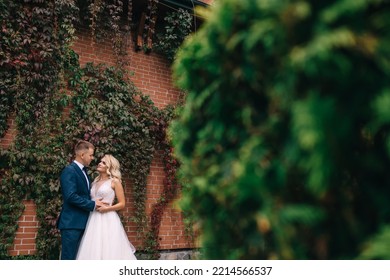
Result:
pixel 104 237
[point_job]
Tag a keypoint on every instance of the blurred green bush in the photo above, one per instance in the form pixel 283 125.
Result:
pixel 284 136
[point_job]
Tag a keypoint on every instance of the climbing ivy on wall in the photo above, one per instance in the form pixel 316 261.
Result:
pixel 178 25
pixel 32 58
pixel 55 102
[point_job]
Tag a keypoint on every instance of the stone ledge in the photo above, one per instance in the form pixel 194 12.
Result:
pixel 188 254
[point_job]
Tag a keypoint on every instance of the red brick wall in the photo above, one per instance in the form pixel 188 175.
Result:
pixel 24 243
pixel 209 2
pixel 151 72
pixel 172 235
pixel 10 134
pixel 152 75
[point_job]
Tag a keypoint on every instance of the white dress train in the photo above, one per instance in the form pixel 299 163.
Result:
pixel 105 237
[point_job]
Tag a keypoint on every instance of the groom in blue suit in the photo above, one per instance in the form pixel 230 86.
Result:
pixel 77 203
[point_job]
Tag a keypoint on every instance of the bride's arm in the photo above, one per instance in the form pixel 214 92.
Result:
pixel 120 196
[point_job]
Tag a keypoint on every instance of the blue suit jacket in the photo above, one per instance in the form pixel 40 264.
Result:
pixel 76 197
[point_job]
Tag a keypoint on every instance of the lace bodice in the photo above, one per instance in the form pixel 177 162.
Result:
pixel 103 190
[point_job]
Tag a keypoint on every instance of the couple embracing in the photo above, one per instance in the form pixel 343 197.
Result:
pixel 89 224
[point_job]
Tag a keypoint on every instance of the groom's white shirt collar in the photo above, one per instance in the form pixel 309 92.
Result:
pixel 81 167
pixel 79 164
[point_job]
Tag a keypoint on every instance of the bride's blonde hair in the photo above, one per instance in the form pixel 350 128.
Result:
pixel 113 167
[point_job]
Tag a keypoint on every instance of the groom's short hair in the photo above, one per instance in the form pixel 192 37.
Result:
pixel 83 145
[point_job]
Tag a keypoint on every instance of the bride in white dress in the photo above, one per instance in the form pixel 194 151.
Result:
pixel 104 237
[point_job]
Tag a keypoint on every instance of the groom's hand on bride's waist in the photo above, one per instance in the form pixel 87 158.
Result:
pixel 99 203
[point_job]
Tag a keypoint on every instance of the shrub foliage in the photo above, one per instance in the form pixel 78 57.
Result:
pixel 284 136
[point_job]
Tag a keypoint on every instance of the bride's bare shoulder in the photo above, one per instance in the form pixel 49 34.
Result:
pixel 115 182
